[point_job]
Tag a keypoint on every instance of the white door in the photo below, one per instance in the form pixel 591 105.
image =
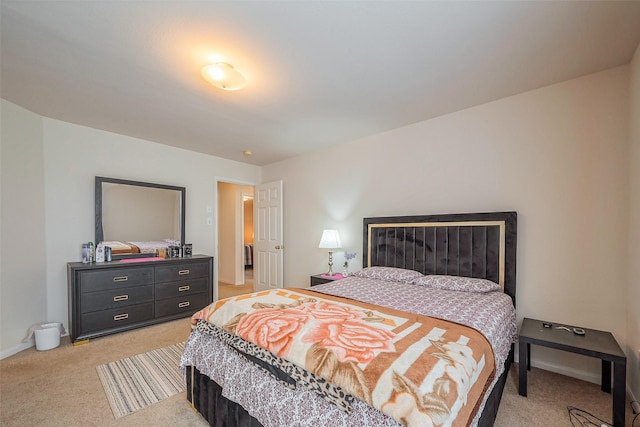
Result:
pixel 267 244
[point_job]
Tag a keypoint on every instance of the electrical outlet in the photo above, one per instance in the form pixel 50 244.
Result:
pixel 209 221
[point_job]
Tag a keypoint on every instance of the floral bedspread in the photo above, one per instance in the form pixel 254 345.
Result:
pixel 419 370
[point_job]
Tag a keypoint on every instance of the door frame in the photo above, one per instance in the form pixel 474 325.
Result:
pixel 242 219
pixel 216 181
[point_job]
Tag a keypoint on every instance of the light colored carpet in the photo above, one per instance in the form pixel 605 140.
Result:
pixel 136 382
pixel 226 290
pixel 60 387
pixel 548 396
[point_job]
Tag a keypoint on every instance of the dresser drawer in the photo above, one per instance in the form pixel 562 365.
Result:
pixel 177 289
pixel 114 298
pixel 182 271
pixel 183 304
pixel 102 280
pixel 114 318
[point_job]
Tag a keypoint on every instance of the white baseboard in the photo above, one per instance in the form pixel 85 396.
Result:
pixel 23 346
pixel 17 349
pixel 632 397
pixel 563 370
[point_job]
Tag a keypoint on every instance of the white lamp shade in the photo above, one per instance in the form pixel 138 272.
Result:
pixel 330 240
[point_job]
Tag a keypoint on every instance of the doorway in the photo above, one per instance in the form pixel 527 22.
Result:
pixel 235 239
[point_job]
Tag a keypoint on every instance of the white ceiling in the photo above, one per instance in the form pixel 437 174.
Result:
pixel 320 72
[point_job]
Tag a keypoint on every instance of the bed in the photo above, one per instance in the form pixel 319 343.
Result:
pixel 228 388
pixel 248 255
pixel 118 247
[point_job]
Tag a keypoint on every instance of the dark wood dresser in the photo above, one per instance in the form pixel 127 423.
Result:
pixel 110 297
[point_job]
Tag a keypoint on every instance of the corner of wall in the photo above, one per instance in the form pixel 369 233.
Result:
pixel 22 278
pixel 633 287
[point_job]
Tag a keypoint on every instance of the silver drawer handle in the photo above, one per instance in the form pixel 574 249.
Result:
pixel 121 298
pixel 121 279
pixel 183 272
pixel 184 288
pixel 121 316
pixel 184 304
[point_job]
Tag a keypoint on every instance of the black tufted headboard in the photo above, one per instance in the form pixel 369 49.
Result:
pixel 479 245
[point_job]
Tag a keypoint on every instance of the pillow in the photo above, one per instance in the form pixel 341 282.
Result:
pixel 457 283
pixel 391 274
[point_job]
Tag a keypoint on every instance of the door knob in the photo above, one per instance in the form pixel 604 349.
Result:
pixel 279 246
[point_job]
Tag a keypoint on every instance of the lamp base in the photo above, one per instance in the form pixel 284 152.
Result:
pixel 330 272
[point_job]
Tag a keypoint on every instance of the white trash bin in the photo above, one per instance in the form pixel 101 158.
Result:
pixel 48 335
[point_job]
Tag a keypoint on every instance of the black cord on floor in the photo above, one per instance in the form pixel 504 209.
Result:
pixel 584 418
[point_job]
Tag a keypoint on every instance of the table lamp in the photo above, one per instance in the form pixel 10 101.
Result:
pixel 330 240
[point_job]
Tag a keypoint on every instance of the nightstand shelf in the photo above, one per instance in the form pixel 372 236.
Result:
pixel 320 279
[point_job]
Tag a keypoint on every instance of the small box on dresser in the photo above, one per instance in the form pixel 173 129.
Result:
pixel 111 297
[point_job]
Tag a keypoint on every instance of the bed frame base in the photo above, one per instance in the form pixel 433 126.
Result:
pixel 206 398
pixel 493 402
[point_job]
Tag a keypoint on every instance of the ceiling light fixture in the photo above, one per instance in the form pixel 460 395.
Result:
pixel 247 152
pixel 224 76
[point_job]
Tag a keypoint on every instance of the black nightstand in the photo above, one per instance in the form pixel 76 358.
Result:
pixel 594 343
pixel 320 279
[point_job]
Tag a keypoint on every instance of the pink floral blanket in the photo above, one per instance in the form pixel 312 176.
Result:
pixel 419 370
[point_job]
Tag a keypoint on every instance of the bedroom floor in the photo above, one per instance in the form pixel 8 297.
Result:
pixel 60 387
pixel 226 290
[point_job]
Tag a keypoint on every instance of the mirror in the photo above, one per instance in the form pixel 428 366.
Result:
pixel 139 217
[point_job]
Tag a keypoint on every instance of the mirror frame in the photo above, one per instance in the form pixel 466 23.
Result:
pixel 98 210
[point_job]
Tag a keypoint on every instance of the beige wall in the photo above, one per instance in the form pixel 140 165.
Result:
pixel 51 233
pixel 633 299
pixel 23 285
pixel 556 155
